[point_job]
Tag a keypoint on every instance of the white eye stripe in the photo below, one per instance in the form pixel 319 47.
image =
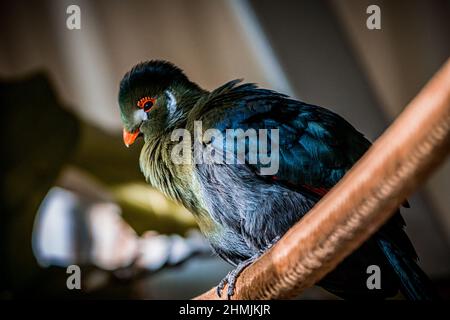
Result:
pixel 140 115
pixel 172 103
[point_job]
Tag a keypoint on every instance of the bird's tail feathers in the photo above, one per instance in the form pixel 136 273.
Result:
pixel 415 284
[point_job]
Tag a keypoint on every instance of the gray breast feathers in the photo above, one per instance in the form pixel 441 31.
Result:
pixel 243 204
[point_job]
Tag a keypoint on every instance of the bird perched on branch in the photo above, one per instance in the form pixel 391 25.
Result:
pixel 241 211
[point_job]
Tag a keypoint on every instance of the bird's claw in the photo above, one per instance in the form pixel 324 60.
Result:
pixel 221 285
pixel 274 240
pixel 229 279
pixel 232 275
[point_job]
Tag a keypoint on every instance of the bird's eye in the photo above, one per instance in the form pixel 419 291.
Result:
pixel 147 106
pixel 146 103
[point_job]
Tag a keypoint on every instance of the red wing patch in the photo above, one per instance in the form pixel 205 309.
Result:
pixel 319 191
pixel 316 190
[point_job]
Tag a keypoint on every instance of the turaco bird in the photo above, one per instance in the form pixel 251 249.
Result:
pixel 239 210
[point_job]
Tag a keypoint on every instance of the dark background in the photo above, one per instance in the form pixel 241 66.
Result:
pixel 61 129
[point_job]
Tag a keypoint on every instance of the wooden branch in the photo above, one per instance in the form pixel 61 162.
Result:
pixel 398 162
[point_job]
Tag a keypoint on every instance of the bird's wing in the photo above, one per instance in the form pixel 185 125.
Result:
pixel 316 146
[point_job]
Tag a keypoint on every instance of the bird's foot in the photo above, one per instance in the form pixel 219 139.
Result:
pixel 274 240
pixel 231 277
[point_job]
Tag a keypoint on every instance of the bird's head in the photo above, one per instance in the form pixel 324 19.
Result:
pixel 150 97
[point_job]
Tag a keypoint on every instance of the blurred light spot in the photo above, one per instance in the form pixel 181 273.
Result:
pixel 114 243
pixel 146 198
pixel 154 251
pixel 53 229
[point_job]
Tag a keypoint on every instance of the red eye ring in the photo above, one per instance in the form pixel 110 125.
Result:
pixel 146 103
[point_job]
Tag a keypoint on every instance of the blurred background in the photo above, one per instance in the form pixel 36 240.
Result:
pixel 71 193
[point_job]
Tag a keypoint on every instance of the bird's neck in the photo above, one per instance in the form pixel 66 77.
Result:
pixel 187 95
pixel 172 179
pixel 177 182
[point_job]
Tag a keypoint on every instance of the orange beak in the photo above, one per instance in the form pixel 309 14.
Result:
pixel 129 137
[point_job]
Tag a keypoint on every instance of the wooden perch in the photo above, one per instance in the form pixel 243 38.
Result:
pixel 398 162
